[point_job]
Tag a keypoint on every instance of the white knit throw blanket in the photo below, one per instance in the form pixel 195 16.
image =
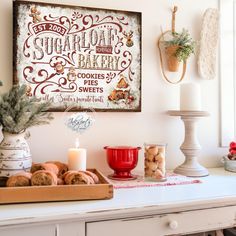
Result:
pixel 208 44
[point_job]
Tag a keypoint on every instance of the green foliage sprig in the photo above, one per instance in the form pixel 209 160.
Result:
pixel 185 42
pixel 19 112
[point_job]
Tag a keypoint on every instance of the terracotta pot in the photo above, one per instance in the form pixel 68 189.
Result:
pixel 14 154
pixel 172 61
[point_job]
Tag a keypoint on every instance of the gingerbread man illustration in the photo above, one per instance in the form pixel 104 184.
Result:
pixel 29 91
pixel 35 14
pixel 71 76
pixel 59 68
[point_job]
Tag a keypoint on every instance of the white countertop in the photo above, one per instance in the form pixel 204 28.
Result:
pixel 217 189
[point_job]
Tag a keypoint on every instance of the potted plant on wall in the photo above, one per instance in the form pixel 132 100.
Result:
pixel 178 49
pixel 18 112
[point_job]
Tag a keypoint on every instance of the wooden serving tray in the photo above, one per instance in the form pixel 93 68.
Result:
pixel 103 190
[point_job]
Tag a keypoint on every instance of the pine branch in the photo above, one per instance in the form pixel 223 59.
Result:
pixel 19 112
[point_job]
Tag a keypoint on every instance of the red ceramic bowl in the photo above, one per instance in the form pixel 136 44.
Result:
pixel 122 159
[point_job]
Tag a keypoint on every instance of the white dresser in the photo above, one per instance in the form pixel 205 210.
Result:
pixel 151 211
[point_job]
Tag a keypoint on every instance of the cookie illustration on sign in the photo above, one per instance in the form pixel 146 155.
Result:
pixel 122 92
pixel 59 68
pixel 35 14
pixel 71 76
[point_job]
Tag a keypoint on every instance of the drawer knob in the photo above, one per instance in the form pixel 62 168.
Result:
pixel 173 224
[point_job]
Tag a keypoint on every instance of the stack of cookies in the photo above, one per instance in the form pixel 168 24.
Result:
pixel 155 161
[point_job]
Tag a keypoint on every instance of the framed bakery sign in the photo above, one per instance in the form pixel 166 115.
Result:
pixel 78 57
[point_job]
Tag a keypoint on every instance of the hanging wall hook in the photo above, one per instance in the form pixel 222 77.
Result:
pixel 173 19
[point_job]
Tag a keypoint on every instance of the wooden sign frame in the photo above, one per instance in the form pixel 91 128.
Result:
pixel 78 58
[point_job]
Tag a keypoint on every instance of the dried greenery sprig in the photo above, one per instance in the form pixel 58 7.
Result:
pixel 19 112
pixel 185 42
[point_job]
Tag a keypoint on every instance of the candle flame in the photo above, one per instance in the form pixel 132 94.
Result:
pixel 77 143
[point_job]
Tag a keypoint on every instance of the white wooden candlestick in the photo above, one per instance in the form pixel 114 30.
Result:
pixel 190 147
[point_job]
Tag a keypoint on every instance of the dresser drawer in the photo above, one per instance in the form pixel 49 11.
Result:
pixel 66 228
pixel 26 230
pixel 169 224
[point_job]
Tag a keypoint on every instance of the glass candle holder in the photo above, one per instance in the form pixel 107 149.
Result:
pixel 154 161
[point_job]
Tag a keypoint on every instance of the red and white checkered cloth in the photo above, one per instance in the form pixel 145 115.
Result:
pixel 172 179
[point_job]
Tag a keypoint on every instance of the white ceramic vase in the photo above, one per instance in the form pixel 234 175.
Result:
pixel 14 154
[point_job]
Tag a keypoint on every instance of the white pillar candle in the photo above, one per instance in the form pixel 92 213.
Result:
pixel 77 159
pixel 190 97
